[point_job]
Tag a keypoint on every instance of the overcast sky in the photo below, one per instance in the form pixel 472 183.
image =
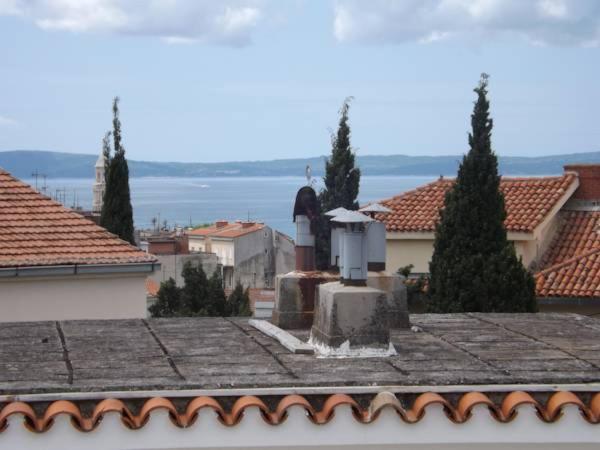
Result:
pixel 204 80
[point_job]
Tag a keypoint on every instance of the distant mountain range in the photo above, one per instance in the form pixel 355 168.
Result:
pixel 22 163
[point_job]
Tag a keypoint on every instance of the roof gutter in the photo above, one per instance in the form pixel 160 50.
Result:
pixel 78 269
pixel 281 391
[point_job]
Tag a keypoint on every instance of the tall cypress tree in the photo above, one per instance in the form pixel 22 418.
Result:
pixel 195 290
pixel 342 180
pixel 117 213
pixel 474 267
pixel 216 302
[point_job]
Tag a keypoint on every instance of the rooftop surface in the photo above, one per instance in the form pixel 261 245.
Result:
pixel 229 230
pixel 219 353
pixel 38 231
pixel 528 202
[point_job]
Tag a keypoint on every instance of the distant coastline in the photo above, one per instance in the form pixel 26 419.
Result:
pixel 22 163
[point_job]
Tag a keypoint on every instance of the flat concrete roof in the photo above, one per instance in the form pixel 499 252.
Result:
pixel 220 353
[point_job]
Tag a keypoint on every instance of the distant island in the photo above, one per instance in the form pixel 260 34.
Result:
pixel 22 163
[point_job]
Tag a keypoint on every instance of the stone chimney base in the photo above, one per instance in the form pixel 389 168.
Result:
pixel 295 294
pixel 357 314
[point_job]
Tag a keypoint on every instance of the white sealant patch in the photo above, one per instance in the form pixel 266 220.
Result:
pixel 346 351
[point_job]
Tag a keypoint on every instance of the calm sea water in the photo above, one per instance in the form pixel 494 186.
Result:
pixel 181 201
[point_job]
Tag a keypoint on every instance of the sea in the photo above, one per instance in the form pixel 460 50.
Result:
pixel 194 201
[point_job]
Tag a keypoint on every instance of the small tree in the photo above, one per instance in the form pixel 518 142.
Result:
pixel 474 267
pixel 215 296
pixel 117 214
pixel 168 303
pixel 195 290
pixel 342 180
pixel 239 302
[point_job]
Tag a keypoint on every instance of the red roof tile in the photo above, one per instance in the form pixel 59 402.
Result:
pixel 152 287
pixel 231 230
pixel 528 203
pixel 578 276
pixel 37 231
pixel 579 232
pixel 503 410
pixel 570 266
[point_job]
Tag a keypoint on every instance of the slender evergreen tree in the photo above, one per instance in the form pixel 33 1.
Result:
pixel 216 302
pixel 195 290
pixel 342 180
pixel 474 267
pixel 238 303
pixel 117 214
pixel 168 303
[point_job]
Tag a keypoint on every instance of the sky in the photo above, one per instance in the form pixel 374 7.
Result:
pixel 207 81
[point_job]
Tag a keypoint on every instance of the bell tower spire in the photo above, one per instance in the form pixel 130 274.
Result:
pixel 99 184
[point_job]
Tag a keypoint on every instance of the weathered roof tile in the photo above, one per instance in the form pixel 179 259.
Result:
pixel 37 231
pixel 528 202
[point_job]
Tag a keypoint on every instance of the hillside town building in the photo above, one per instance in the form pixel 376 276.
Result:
pixel 554 223
pixel 57 265
pixel 250 253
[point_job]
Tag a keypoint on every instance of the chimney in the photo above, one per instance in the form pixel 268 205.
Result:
pixel 354 250
pixel 221 223
pixel 306 210
pixel 589 180
pixel 248 224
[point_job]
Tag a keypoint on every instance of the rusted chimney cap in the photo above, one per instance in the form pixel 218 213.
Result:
pixel 306 203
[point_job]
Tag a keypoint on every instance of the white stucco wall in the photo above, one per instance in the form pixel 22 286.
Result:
pixel 402 252
pixel 73 297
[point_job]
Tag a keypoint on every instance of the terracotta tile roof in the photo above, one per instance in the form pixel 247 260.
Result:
pixel 528 202
pixel 152 287
pixel 578 276
pixel 458 412
pixel 231 230
pixel 37 231
pixel 578 233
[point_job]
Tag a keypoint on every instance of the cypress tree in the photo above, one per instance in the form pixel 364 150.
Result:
pixel 117 213
pixel 168 303
pixel 195 290
pixel 342 180
pixel 216 303
pixel 238 302
pixel 474 267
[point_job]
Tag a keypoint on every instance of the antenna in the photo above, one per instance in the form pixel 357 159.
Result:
pixel 35 175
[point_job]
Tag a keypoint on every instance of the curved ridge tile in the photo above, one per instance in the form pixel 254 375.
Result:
pixel 29 416
pixel 196 405
pixel 243 403
pixel 472 399
pixel 431 398
pixel 151 405
pixel 505 412
pixel 516 399
pixel 280 414
pixel 387 400
pixel 332 402
pixel 556 403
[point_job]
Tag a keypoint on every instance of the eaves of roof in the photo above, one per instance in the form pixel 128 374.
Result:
pixel 274 411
